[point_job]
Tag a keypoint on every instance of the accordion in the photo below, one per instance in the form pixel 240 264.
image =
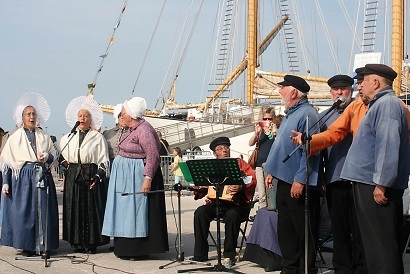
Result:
pixel 224 195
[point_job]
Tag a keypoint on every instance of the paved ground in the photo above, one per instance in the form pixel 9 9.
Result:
pixel 64 261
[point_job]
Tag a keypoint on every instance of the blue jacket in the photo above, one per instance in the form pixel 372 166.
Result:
pixel 294 169
pixel 379 152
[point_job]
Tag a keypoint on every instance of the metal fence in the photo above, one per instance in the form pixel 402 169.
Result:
pixel 167 162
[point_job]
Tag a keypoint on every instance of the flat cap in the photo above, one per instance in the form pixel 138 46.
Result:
pixel 340 81
pixel 359 73
pixel 381 70
pixel 296 82
pixel 219 141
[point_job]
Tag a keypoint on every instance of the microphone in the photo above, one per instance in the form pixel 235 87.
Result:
pixel 340 102
pixel 74 128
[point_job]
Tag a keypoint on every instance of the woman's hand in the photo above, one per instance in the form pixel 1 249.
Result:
pixel 146 185
pixel 95 180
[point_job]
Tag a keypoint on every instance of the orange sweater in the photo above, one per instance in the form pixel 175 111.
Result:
pixel 348 122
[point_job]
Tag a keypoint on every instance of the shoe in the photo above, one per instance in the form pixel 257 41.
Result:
pixel 227 263
pixel 198 259
pixel 92 250
pixel 79 250
pixel 269 269
pixel 28 253
pixel 45 255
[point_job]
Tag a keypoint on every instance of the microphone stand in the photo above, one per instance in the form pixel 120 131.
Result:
pixel 307 146
pixel 307 136
pixel 46 254
pixel 180 254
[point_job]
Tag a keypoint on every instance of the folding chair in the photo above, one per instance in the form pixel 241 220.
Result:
pixel 242 233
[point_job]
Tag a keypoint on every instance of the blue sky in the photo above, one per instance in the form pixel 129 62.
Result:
pixel 53 48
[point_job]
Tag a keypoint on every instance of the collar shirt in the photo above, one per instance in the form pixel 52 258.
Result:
pixel 294 169
pixel 379 152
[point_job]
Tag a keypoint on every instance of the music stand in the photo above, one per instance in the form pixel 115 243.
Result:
pixel 216 173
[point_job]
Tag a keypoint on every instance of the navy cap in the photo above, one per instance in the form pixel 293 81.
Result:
pixel 359 73
pixel 219 141
pixel 340 81
pixel 381 70
pixel 296 82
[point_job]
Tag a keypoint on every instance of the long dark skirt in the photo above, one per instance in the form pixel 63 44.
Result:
pixel 83 208
pixel 24 213
pixel 157 240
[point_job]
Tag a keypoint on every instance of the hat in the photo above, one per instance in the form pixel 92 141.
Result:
pixel 340 81
pixel 117 111
pixel 88 103
pixel 381 70
pixel 296 82
pixel 37 102
pixel 359 73
pixel 219 141
pixel 135 107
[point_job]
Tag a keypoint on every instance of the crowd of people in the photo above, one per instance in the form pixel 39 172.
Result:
pixel 355 155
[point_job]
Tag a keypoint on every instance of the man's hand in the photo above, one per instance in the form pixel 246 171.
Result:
pixel 234 189
pixel 296 190
pixel 268 181
pixel 297 138
pixel 378 195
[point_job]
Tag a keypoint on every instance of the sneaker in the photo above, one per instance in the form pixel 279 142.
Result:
pixel 227 263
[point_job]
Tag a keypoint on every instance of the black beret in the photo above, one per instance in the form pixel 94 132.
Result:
pixel 219 141
pixel 359 73
pixel 296 82
pixel 381 70
pixel 340 81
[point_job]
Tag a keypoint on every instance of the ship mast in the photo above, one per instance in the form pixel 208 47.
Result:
pixel 252 48
pixel 397 42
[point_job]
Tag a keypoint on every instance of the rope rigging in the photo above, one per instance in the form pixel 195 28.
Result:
pixel 104 56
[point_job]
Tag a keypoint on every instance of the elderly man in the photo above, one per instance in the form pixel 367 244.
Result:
pixel 348 256
pixel 232 213
pixel 377 166
pixel 292 178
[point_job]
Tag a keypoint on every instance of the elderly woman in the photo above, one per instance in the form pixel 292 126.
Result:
pixel 85 155
pixel 26 178
pixel 135 212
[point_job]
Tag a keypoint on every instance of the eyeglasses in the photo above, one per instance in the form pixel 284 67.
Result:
pixel 267 118
pixel 220 148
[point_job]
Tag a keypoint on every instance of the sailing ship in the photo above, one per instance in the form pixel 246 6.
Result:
pixel 261 85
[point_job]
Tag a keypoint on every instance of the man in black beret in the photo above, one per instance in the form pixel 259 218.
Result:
pixel 291 176
pixel 377 166
pixel 233 212
pixel 339 196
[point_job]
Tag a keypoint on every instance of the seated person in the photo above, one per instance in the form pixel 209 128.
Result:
pixel 233 213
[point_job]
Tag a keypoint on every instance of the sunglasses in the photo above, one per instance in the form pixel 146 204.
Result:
pixel 266 118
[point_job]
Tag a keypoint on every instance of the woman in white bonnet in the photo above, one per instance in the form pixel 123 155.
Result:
pixel 137 222
pixel 25 159
pixel 85 187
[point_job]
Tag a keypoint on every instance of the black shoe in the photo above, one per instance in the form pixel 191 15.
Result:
pixel 198 259
pixel 45 255
pixel 92 250
pixel 79 250
pixel 28 253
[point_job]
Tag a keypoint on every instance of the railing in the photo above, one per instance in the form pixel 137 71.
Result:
pixel 187 131
pixel 167 162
